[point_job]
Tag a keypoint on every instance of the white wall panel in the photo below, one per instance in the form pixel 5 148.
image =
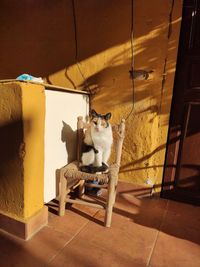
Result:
pixel 62 110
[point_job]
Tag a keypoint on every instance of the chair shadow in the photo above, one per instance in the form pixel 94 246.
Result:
pixel 53 208
pixel 69 137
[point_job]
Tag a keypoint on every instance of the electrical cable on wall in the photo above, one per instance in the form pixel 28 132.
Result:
pixel 134 74
pixel 132 63
pixel 76 47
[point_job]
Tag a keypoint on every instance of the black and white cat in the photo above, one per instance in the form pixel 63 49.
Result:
pixel 97 143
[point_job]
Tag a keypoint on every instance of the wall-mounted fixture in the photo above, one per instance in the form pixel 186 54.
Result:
pixel 139 74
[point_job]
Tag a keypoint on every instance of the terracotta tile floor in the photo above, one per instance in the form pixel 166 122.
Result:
pixel 146 231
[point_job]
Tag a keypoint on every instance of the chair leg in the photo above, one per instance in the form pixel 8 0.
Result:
pixel 62 195
pixel 81 189
pixel 110 201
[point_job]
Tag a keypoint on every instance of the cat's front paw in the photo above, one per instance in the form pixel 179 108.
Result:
pixel 104 167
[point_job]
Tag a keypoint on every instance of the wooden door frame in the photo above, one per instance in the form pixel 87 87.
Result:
pixel 178 127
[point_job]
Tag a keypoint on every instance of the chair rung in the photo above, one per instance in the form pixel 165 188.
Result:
pixel 96 185
pixel 81 202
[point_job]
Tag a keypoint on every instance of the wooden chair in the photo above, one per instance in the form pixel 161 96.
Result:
pixel 71 177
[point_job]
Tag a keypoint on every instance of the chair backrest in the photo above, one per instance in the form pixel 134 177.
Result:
pixel 119 130
pixel 118 138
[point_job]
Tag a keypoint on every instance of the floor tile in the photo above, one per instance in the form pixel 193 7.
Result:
pixel 179 238
pixel 76 216
pixel 35 252
pixel 172 251
pixel 138 191
pixel 184 214
pixel 124 244
pixel 145 232
pixel 144 211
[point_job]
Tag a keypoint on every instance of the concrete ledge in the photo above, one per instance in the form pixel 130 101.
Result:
pixel 25 230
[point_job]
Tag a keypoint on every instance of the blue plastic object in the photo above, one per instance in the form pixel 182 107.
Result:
pixel 28 77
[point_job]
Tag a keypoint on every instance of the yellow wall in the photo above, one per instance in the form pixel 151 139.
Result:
pixel 103 35
pixel 22 111
pixel 11 162
pixel 33 109
pixel 147 126
pixel 104 51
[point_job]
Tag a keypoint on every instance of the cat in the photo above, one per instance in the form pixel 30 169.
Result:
pixel 97 143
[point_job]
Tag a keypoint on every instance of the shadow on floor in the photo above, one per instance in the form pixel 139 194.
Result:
pixel 136 203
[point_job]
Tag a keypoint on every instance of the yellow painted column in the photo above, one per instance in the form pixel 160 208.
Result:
pixel 33 110
pixel 11 162
pixel 22 120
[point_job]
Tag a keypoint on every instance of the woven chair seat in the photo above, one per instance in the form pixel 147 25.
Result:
pixel 74 175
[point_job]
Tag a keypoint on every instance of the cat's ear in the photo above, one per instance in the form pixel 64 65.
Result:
pixel 93 113
pixel 107 116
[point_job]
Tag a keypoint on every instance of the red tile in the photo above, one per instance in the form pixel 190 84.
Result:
pixel 124 244
pixel 178 243
pixel 74 219
pixel 184 214
pixel 79 239
pixel 143 211
pixel 138 191
pixel 35 252
pixel 172 251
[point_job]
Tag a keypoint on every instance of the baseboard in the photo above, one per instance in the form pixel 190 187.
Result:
pixel 25 230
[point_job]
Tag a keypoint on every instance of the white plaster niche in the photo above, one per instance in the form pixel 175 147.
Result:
pixel 62 109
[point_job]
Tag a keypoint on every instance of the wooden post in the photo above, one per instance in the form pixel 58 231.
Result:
pixel 80 125
pixel 62 193
pixel 114 174
pixel 111 194
pixel 80 135
pixel 81 188
pixel 120 139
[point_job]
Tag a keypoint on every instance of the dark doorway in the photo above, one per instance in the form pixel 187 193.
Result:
pixel 181 180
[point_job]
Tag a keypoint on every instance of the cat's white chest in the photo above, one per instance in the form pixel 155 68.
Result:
pixel 102 139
